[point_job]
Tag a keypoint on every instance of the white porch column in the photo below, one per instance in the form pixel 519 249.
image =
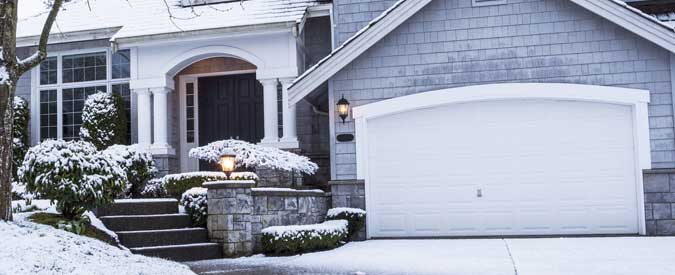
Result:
pixel 144 118
pixel 290 136
pixel 270 111
pixel 160 145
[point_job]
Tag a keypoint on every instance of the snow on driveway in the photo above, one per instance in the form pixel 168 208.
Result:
pixel 546 256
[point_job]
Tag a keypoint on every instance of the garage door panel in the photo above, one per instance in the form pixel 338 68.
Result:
pixel 529 158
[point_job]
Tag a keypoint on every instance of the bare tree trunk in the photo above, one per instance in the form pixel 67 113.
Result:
pixel 14 69
pixel 6 152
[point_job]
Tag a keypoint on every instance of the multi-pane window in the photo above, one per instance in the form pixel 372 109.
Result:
pixel 80 76
pixel 84 67
pixel 48 70
pixel 73 103
pixel 121 64
pixel 123 91
pixel 190 111
pixel 48 115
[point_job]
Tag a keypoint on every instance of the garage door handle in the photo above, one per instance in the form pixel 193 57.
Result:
pixel 479 193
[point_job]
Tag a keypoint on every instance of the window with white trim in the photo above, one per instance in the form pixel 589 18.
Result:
pixel 67 79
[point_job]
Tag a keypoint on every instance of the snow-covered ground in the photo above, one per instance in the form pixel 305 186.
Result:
pixel 547 256
pixel 30 248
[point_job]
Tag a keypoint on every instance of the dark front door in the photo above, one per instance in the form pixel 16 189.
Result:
pixel 230 107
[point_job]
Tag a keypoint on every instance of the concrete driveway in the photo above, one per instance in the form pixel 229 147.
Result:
pixel 537 256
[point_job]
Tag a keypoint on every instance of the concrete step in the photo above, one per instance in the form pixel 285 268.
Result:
pixel 144 238
pixel 183 253
pixel 139 207
pixel 146 222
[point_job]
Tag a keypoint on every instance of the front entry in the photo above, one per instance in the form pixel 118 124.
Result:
pixel 230 106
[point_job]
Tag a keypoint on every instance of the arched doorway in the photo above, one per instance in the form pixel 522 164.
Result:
pixel 219 98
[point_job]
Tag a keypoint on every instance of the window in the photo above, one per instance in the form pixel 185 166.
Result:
pixel 80 75
pixel 48 115
pixel 120 64
pixel 84 67
pixel 124 91
pixel 48 71
pixel 190 111
pixel 73 103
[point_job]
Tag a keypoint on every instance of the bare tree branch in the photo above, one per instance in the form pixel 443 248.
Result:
pixel 41 53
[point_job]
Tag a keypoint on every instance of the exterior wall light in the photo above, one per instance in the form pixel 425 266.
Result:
pixel 227 161
pixel 343 108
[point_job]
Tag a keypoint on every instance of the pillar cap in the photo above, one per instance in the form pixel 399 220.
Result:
pixel 229 184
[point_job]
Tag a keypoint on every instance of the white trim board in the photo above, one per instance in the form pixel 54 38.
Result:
pixel 619 13
pixel 637 99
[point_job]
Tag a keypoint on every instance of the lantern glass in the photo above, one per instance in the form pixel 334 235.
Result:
pixel 227 163
pixel 343 108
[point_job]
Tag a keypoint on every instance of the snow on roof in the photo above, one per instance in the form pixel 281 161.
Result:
pixel 149 17
pixel 643 14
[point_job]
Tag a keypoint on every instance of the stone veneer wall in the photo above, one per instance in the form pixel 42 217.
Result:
pixel 659 188
pixel 349 193
pixel 276 207
pixel 238 212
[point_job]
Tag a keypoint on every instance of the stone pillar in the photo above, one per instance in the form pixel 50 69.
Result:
pixel 290 136
pixel 160 145
pixel 270 111
pixel 144 118
pixel 229 221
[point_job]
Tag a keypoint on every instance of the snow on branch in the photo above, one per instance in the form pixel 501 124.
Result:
pixel 252 156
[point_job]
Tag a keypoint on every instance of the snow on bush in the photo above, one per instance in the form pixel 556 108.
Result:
pixel 19 133
pixel 103 120
pixel 355 216
pixel 294 239
pixel 30 248
pixel 138 165
pixel 177 184
pixel 254 156
pixel 73 174
pixel 245 176
pixel 154 189
pixel 196 205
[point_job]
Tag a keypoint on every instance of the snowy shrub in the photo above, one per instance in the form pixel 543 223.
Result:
pixel 73 174
pixel 254 156
pixel 19 133
pixel 354 216
pixel 138 165
pixel 104 120
pixel 154 189
pixel 296 239
pixel 196 205
pixel 177 184
pixel 245 176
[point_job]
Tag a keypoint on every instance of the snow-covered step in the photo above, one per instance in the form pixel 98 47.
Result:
pixel 139 207
pixel 146 222
pixel 184 252
pixel 145 238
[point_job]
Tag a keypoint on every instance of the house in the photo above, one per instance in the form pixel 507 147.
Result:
pixel 468 117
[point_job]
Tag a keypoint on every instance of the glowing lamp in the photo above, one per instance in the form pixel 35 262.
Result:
pixel 343 108
pixel 227 161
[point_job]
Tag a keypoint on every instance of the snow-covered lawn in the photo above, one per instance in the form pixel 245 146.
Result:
pixel 549 256
pixel 30 248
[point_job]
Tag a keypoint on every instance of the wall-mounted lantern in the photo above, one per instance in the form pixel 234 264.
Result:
pixel 227 161
pixel 343 108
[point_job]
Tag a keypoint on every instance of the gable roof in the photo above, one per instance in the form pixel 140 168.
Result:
pixel 616 11
pixel 137 18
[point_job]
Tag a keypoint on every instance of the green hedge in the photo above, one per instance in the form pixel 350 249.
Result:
pixel 297 239
pixel 176 184
pixel 356 218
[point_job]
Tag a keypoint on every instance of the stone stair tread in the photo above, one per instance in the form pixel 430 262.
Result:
pixel 162 230
pixel 183 252
pixel 124 207
pixel 145 216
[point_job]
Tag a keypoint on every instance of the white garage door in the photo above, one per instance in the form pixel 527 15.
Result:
pixel 503 167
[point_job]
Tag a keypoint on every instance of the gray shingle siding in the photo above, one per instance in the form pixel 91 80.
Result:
pixel 450 43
